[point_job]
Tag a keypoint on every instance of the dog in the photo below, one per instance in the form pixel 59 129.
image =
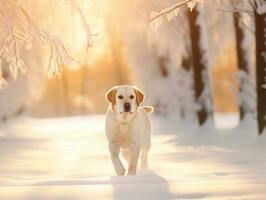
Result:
pixel 128 128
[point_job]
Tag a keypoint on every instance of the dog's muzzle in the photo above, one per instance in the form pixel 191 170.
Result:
pixel 127 107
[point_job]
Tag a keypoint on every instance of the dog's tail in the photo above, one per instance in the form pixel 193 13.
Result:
pixel 148 109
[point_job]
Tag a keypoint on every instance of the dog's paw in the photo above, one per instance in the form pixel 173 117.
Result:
pixel 121 172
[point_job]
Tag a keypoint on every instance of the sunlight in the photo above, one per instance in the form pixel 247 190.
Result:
pixel 180 85
pixel 71 152
pixel 98 27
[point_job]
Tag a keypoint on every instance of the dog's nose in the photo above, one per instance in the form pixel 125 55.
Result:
pixel 126 107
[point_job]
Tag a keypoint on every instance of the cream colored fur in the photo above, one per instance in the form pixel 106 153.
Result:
pixel 128 132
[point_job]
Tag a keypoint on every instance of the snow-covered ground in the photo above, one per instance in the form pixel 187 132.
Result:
pixel 67 158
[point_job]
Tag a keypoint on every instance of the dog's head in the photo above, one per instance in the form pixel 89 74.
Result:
pixel 125 99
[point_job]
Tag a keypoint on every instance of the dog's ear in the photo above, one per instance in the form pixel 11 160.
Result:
pixel 110 95
pixel 139 96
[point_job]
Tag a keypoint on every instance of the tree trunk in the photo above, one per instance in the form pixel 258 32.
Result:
pixel 260 69
pixel 242 63
pixel 199 67
pixel 186 62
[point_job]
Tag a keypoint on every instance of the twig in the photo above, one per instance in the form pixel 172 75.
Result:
pixel 164 12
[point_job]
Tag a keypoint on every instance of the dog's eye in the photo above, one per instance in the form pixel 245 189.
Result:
pixel 131 97
pixel 120 97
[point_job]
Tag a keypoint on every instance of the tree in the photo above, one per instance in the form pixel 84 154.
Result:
pixel 200 62
pixel 242 61
pixel 200 68
pixel 260 28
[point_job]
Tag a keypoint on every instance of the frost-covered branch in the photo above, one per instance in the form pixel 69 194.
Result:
pixel 173 10
pixel 259 6
pixel 84 22
pixel 19 31
pixel 170 9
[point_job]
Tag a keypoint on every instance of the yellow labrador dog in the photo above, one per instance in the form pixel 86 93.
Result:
pixel 128 127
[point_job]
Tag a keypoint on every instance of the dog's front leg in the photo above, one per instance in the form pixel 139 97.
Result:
pixel 115 150
pixel 134 156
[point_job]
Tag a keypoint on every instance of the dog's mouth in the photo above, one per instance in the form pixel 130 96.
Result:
pixel 125 113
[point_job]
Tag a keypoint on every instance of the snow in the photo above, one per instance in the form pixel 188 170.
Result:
pixel 67 158
pixel 226 121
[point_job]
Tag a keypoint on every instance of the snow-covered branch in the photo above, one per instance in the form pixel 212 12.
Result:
pixel 84 22
pixel 171 12
pixel 19 31
pixel 174 9
pixel 259 6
